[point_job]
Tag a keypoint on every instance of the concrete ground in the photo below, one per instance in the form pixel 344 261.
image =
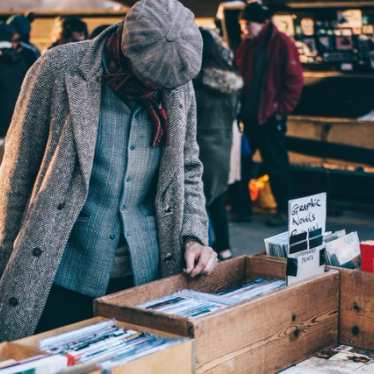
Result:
pixel 248 238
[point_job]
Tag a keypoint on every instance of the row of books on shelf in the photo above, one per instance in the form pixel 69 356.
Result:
pixel 342 249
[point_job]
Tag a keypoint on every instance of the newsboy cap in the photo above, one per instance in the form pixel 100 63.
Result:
pixel 162 42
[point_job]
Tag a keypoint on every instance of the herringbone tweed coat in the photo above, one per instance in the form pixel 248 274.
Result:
pixel 46 170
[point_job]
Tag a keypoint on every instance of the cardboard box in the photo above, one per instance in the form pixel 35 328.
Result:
pixel 259 336
pixel 177 358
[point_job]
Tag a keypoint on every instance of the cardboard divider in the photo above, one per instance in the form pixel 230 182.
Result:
pixel 277 329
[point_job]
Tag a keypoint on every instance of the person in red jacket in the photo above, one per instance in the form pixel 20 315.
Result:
pixel 273 81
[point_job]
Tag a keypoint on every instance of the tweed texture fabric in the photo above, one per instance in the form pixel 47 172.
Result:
pixel 45 173
pixel 162 42
pixel 120 203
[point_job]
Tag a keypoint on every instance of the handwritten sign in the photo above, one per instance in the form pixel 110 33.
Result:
pixel 306 226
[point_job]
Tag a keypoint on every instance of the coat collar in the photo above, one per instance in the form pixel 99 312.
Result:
pixel 91 63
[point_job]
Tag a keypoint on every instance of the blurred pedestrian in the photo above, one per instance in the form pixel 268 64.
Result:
pixel 217 94
pixel 269 62
pixel 101 179
pixel 98 30
pixel 15 60
pixel 68 29
pixel 22 26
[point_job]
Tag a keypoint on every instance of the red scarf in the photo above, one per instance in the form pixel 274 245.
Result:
pixel 123 82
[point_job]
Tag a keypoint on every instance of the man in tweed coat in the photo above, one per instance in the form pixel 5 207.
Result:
pixel 91 157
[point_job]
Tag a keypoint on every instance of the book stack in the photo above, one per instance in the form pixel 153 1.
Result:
pixel 103 346
pixel 342 249
pixel 367 256
pixel 194 304
pixel 254 289
pixel 41 364
pixel 278 245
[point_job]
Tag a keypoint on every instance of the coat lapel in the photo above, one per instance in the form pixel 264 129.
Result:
pixel 174 102
pixel 84 95
pixel 84 102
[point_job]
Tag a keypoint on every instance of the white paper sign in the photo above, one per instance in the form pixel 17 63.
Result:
pixel 306 227
pixel 307 214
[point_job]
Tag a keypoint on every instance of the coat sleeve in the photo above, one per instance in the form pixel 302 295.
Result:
pixel 293 78
pixel 24 148
pixel 195 219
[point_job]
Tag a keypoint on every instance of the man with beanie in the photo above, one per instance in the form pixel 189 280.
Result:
pixel 269 63
pixel 101 182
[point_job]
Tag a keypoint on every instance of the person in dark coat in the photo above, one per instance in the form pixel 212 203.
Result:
pixel 69 29
pixel 217 94
pixel 14 63
pixel 273 81
pixel 22 26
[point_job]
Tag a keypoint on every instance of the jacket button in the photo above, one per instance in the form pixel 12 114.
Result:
pixel 13 301
pixel 168 210
pixel 37 252
pixel 168 257
pixel 61 206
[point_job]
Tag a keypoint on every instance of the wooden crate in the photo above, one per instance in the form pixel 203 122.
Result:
pixel 356 319
pixel 356 309
pixel 177 358
pixel 14 351
pixel 258 336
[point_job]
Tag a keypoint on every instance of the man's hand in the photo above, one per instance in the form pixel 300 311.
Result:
pixel 199 259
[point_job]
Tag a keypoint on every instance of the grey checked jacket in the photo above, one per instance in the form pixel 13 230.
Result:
pixel 119 205
pixel 45 175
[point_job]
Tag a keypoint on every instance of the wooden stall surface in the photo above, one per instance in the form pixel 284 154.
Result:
pixel 259 336
pixel 349 131
pixel 178 358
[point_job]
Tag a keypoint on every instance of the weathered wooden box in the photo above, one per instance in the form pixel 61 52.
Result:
pixel 14 351
pixel 258 336
pixel 177 358
pixel 356 317
pixel 356 313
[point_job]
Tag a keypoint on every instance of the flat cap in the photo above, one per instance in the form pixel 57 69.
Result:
pixel 162 42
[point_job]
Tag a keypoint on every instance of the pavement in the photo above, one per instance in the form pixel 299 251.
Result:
pixel 248 238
